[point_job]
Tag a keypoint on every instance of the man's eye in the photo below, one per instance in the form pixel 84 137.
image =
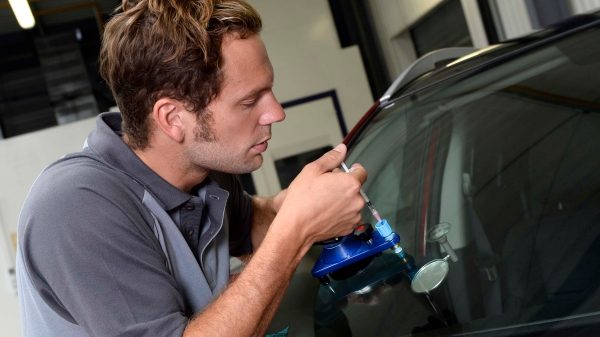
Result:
pixel 249 103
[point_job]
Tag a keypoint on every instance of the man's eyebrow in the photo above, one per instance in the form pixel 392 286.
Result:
pixel 254 93
pixel 251 94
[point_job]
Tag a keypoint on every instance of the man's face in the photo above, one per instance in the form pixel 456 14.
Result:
pixel 239 119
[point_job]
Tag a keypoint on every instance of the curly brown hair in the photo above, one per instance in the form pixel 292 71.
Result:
pixel 168 48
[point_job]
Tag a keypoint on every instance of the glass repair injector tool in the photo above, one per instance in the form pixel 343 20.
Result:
pixel 344 255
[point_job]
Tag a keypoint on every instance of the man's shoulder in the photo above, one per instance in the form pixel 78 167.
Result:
pixel 79 172
pixel 81 197
pixel 82 181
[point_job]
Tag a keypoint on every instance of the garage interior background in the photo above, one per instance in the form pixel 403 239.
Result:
pixel 331 59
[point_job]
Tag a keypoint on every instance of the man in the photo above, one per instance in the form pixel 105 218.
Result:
pixel 132 236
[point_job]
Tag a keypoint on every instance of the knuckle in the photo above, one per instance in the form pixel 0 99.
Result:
pixel 354 185
pixel 359 170
pixel 317 165
pixel 347 231
pixel 361 204
pixel 311 167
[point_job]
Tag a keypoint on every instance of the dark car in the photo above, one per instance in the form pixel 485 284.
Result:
pixel 490 163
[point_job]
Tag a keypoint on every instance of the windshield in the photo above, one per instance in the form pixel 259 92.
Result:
pixel 508 159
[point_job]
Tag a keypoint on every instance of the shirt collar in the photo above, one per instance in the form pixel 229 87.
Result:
pixel 106 142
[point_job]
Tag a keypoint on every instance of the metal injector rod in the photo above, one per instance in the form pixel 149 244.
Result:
pixel 364 196
pixel 383 228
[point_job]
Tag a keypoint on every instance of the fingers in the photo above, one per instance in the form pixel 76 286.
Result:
pixel 330 160
pixel 358 172
pixel 324 199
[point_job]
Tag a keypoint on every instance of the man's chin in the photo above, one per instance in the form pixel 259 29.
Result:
pixel 256 163
pixel 250 166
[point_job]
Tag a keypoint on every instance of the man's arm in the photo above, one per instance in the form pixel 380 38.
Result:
pixel 264 211
pixel 318 205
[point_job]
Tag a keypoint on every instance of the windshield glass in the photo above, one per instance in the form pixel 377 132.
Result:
pixel 508 160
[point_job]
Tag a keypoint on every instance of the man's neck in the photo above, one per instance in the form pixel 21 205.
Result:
pixel 170 165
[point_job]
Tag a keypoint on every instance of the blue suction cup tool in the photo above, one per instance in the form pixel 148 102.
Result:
pixel 345 256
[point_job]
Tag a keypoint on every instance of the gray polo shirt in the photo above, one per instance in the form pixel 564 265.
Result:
pixel 108 248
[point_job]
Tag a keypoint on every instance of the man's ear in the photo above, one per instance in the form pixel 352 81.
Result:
pixel 168 117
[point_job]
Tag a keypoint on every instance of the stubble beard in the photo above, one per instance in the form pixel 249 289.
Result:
pixel 209 154
pixel 203 131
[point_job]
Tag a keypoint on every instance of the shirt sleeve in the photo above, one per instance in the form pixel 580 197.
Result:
pixel 93 258
pixel 239 212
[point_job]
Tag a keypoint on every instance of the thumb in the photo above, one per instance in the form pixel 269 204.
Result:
pixel 331 159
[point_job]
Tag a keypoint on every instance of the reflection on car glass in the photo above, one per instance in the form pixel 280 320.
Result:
pixel 508 156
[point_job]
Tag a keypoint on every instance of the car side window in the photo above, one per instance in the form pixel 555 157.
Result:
pixel 509 158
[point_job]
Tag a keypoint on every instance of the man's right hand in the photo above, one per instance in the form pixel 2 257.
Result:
pixel 321 203
pixel 324 202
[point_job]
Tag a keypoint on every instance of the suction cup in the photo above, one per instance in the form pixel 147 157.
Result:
pixel 438 232
pixel 430 276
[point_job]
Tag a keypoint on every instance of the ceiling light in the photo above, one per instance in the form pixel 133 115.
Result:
pixel 23 13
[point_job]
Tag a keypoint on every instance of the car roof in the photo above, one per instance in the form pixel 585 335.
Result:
pixel 449 63
pixel 456 63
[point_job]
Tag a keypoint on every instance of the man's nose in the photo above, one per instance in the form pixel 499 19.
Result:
pixel 273 112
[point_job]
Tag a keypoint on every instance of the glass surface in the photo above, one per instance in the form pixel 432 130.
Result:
pixel 509 157
pixel 431 32
pixel 430 276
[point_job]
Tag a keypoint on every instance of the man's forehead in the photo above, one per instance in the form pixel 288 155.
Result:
pixel 245 60
pixel 236 50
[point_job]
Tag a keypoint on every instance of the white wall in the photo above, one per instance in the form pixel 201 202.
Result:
pixel 307 58
pixel 475 23
pixel 393 18
pixel 582 6
pixel 514 18
pixel 303 47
